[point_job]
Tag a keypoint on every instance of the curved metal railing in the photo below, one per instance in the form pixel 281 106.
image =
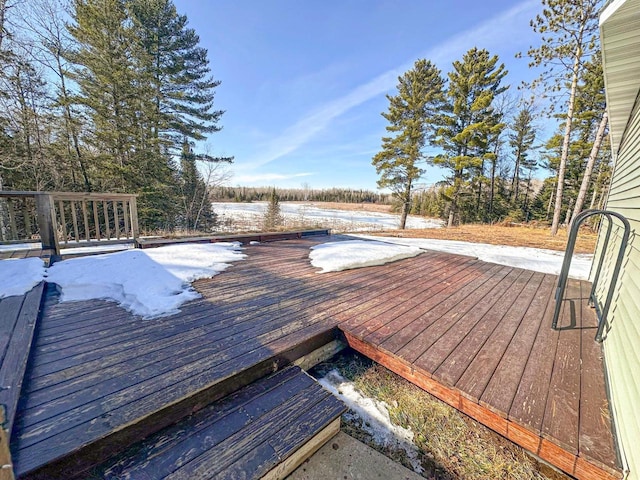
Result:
pixel 564 273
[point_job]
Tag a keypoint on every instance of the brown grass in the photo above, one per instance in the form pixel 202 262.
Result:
pixel 362 207
pixel 452 446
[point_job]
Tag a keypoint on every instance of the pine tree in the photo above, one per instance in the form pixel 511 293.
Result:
pixel 412 113
pixel 569 31
pixel 177 68
pixel 273 217
pixel 469 122
pixel 106 74
pixel 521 139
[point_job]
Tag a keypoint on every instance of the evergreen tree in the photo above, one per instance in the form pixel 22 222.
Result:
pixel 569 34
pixel 523 134
pixel 177 68
pixel 412 113
pixel 106 74
pixel 272 217
pixel 470 121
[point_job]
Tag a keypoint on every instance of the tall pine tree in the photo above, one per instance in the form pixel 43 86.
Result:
pixel 412 113
pixel 569 34
pixel 470 122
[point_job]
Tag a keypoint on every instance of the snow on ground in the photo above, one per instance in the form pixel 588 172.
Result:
pixel 152 282
pixel 18 276
pixel 336 256
pixel 249 216
pixel 374 417
pixel 536 259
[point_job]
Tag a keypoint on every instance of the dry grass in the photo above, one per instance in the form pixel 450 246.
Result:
pixel 452 446
pixel 358 207
pixel 517 235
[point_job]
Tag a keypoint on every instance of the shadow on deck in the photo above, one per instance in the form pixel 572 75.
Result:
pixel 474 334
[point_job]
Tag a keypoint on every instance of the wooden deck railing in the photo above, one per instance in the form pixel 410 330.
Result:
pixel 65 219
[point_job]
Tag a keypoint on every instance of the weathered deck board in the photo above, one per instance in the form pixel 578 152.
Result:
pixel 475 334
pixel 270 419
pixel 18 315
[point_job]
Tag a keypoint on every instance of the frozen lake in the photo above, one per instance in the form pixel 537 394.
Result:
pixel 249 216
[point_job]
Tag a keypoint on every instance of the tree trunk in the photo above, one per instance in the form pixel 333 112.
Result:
pixel 406 204
pixel 586 179
pixel 565 144
pixel 568 217
pixel 513 197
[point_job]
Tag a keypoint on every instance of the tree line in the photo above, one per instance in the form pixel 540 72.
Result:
pixel 108 95
pixel 487 140
pixel 304 194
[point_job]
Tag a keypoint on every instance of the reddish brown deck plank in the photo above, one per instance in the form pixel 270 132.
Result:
pixel 475 377
pixel 502 386
pixel 403 333
pixel 484 316
pixel 412 342
pixel 561 416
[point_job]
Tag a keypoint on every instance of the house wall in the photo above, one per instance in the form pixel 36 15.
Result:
pixel 622 333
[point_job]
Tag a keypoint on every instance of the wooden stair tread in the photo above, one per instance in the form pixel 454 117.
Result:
pixel 250 431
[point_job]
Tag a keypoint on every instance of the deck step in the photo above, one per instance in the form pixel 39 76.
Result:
pixel 18 316
pixel 264 429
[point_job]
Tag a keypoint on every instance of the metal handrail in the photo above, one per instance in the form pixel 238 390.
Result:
pixel 564 272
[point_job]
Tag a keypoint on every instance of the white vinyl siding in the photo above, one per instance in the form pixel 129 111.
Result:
pixel 622 335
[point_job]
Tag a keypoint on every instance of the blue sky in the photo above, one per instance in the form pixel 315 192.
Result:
pixel 304 82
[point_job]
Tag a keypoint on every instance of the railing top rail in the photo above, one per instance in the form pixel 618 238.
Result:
pixel 10 193
pixel 68 195
pixel 90 196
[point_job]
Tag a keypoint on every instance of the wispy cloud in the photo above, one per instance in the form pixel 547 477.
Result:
pixel 494 31
pixel 265 178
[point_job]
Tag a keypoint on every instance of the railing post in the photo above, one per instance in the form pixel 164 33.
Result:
pixel 47 222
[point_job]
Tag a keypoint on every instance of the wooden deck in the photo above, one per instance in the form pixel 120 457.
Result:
pixel 476 335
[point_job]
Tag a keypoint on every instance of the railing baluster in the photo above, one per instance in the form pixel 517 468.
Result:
pixel 105 210
pixel 74 218
pixel 12 220
pixel 133 209
pixel 116 220
pixel 96 220
pixel 125 214
pixel 63 221
pixel 27 218
pixel 87 234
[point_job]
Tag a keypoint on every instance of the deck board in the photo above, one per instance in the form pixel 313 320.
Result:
pixel 475 334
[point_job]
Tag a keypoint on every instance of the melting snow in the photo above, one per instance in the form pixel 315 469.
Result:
pixel 18 276
pixel 374 416
pixel 152 282
pixel 536 259
pixel 336 256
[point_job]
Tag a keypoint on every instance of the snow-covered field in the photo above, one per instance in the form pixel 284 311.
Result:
pixel 249 216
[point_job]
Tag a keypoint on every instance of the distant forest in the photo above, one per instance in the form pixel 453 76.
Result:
pixel 262 194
